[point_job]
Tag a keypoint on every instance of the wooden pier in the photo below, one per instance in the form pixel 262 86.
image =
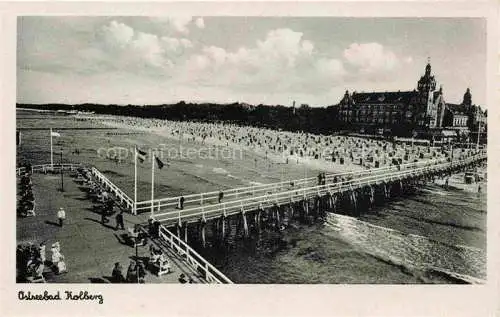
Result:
pixel 361 184
pixel 209 198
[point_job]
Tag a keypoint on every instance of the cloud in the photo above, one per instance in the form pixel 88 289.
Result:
pixel 200 23
pixel 331 68
pixel 117 34
pixel 216 54
pixel 177 23
pixel 172 44
pixel 180 23
pixel 370 58
pixel 274 60
pixel 135 50
pixel 284 45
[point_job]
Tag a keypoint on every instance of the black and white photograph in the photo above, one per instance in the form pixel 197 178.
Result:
pixel 249 149
pixel 268 157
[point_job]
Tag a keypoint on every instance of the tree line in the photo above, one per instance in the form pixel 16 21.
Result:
pixel 317 120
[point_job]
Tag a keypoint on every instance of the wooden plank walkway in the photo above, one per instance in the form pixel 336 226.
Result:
pixel 289 195
pixel 162 205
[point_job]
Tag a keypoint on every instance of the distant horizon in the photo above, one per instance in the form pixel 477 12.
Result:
pixel 253 60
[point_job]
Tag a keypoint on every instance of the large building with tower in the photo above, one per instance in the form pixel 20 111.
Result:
pixel 399 112
pixel 420 112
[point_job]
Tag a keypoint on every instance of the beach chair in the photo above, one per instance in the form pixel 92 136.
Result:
pixel 162 266
pixel 31 212
pixel 35 274
pixel 136 239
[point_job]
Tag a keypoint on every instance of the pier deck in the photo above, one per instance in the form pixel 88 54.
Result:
pixel 284 194
pixel 90 248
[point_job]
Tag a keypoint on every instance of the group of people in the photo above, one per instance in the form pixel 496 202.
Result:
pixel 32 261
pixel 105 203
pixel 136 272
pixel 290 146
pixel 26 203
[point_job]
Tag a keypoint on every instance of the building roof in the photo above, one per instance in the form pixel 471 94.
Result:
pixel 384 97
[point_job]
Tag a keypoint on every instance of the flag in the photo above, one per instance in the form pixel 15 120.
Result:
pixel 52 133
pixel 141 155
pixel 159 162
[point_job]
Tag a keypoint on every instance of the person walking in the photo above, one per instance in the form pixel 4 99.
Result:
pixel 119 221
pixel 181 203
pixel 61 215
pixel 104 213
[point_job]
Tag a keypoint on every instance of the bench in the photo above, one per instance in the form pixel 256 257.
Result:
pixel 161 266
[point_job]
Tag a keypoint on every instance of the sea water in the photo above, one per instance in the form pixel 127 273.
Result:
pixel 433 236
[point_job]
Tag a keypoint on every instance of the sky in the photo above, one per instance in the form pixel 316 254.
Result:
pixel 257 60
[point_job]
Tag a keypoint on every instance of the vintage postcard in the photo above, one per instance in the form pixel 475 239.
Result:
pixel 287 158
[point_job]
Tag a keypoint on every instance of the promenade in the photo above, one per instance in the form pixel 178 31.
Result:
pixel 90 248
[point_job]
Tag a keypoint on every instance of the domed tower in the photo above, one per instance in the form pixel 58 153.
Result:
pixel 427 82
pixel 467 102
pixel 426 87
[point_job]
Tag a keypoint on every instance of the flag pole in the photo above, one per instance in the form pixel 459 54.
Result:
pixel 51 155
pixel 62 177
pixel 152 181
pixel 135 182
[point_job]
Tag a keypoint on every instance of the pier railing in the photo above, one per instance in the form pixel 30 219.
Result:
pixel 117 192
pixel 291 195
pixel 210 273
pixel 256 190
pixel 103 180
pixel 20 170
pixel 207 198
pixel 55 167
